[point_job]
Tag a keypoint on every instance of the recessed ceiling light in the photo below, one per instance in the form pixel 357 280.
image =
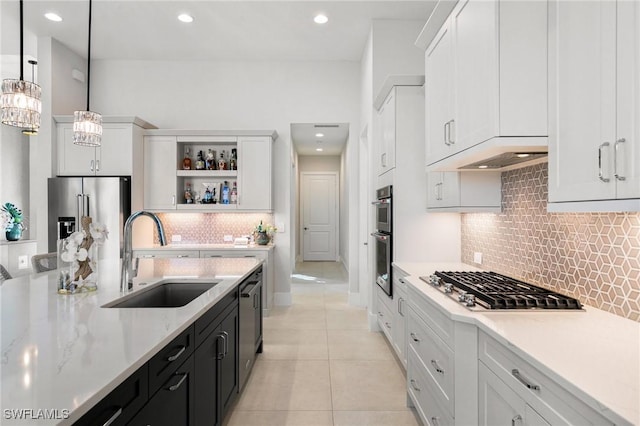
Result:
pixel 53 17
pixel 522 155
pixel 483 167
pixel 319 135
pixel 319 149
pixel 185 18
pixel 320 19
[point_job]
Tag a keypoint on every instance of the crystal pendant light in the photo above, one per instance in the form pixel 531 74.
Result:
pixel 87 125
pixel 20 103
pixel 31 131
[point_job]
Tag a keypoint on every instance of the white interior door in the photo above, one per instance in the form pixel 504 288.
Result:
pixel 319 216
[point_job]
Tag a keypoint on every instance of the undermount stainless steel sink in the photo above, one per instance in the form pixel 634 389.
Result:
pixel 164 295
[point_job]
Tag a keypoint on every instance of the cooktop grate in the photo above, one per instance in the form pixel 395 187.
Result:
pixel 496 291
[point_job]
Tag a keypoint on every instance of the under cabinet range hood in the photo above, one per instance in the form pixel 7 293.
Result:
pixel 495 154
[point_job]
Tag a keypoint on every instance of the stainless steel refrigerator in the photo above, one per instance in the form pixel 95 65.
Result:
pixel 106 199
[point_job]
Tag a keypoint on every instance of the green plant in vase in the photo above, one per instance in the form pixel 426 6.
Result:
pixel 13 221
pixel 263 233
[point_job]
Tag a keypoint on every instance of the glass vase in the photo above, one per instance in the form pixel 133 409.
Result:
pixel 14 233
pixel 79 276
pixel 262 238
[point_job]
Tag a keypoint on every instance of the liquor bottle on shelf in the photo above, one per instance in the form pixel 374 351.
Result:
pixel 210 162
pixel 188 195
pixel 199 161
pixel 234 193
pixel 225 193
pixel 222 163
pixel 233 162
pixel 186 162
pixel 208 197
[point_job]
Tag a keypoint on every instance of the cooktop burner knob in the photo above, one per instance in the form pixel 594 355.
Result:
pixel 435 280
pixel 462 296
pixel 470 300
pixel 448 288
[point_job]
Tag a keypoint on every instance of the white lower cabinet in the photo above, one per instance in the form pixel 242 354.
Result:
pixel 500 405
pixel 399 332
pixel 384 311
pixel 420 390
pixel 512 390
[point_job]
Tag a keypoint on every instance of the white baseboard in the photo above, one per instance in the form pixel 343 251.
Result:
pixel 282 299
pixel 355 299
pixel 373 322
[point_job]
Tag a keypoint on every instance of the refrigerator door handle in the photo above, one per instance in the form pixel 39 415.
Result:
pixel 85 208
pixel 79 209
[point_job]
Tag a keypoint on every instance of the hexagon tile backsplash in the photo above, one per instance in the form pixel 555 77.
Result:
pixel 209 228
pixel 594 257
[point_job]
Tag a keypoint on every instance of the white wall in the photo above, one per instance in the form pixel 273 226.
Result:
pixel 394 51
pixel 235 95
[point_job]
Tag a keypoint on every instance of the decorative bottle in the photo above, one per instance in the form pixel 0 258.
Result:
pixel 188 196
pixel 233 162
pixel 210 162
pixel 199 161
pixel 225 193
pixel 222 163
pixel 234 193
pixel 186 162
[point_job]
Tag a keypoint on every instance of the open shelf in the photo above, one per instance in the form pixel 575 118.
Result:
pixel 207 173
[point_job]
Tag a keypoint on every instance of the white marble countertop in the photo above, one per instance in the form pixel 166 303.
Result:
pixel 593 354
pixel 67 352
pixel 227 246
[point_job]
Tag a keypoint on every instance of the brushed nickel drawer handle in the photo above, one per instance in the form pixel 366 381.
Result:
pixel 387 325
pixel 177 385
pixel 113 417
pixel 435 421
pixel 176 356
pixel 517 418
pixel 524 381
pixel 414 385
pixel 436 366
pixel 414 337
pixel 600 174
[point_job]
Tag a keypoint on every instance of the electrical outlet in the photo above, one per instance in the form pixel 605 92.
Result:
pixel 176 238
pixel 228 238
pixel 477 257
pixel 23 262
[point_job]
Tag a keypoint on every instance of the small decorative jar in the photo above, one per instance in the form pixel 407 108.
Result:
pixel 15 232
pixel 262 238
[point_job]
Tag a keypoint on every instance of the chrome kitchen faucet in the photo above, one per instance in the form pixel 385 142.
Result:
pixel 128 272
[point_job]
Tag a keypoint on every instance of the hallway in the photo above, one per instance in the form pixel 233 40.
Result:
pixel 321 366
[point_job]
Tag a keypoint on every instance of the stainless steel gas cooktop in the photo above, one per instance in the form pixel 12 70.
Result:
pixel 490 290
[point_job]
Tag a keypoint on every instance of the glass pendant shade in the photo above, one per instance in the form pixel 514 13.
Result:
pixel 20 104
pixel 87 128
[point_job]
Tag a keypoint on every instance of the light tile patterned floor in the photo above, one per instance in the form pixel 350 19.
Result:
pixel 321 366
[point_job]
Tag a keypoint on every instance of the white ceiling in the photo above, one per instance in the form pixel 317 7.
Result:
pixel 333 141
pixel 232 30
pixel 222 30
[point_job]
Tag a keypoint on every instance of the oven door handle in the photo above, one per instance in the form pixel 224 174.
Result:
pixel 382 201
pixel 379 236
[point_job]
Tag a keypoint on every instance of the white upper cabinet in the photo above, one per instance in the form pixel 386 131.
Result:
pixel 486 81
pixel 121 138
pixel 254 173
pixel 246 170
pixel 464 191
pixel 594 76
pixel 387 136
pixel 160 182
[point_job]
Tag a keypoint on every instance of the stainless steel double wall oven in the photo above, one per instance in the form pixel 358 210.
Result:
pixel 384 238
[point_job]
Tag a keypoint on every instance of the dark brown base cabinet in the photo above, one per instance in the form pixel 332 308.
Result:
pixel 192 381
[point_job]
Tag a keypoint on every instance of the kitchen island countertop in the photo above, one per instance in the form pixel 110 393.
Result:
pixel 592 353
pixel 68 352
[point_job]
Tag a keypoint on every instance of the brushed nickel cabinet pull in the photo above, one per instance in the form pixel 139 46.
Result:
pixel 524 381
pixel 600 174
pixel 615 159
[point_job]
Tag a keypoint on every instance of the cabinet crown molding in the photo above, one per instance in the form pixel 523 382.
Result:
pixel 111 119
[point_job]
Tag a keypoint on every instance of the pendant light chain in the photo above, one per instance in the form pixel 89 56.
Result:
pixel 87 125
pixel 20 104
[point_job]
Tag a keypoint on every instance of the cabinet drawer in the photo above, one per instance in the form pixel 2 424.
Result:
pixel 165 362
pixel 162 254
pixel 420 391
pixel 433 316
pixel 122 403
pixel 385 318
pixel 543 394
pixel 435 356
pixel 206 323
